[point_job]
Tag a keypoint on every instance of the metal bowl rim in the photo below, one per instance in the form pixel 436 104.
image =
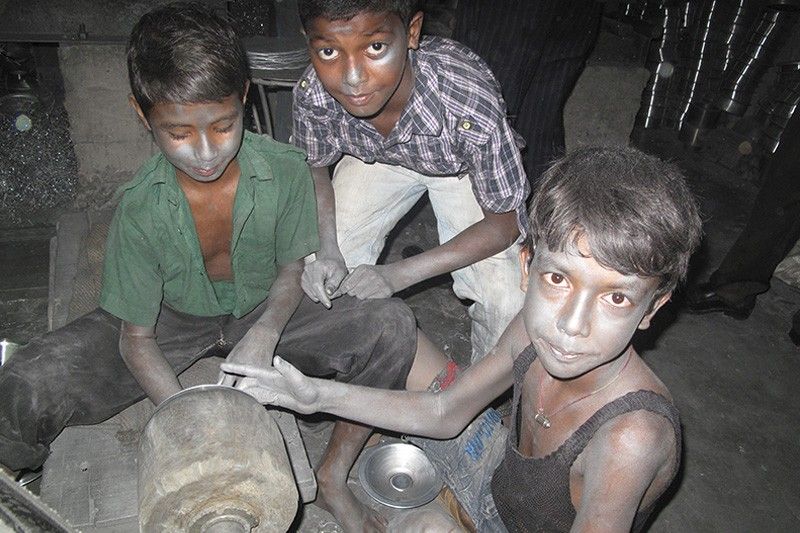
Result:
pixel 363 477
pixel 202 386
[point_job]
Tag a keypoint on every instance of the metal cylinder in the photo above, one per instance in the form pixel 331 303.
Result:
pixel 741 79
pixel 212 460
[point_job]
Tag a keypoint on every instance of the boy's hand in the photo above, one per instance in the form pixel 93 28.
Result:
pixel 321 278
pixel 369 281
pixel 255 349
pixel 282 385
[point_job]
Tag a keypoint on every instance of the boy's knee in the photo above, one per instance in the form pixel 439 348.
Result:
pixel 393 318
pixel 391 325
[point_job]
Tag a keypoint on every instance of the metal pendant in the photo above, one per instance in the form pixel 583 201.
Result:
pixel 542 419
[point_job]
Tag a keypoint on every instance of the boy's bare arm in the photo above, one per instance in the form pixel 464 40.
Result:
pixel 624 459
pixel 258 345
pixel 493 234
pixel 441 415
pixel 143 357
pixel 322 277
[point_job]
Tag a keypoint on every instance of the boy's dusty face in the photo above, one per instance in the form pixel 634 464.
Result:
pixel 200 140
pixel 363 62
pixel 579 314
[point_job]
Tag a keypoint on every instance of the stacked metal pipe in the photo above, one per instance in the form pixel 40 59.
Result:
pixel 708 57
pixel 667 65
pixel 720 34
pixel 740 81
pixel 779 107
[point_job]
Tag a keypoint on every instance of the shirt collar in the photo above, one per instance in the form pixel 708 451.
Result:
pixel 253 162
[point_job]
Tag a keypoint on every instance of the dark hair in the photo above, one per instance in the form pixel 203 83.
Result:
pixel 184 53
pixel 347 9
pixel 635 211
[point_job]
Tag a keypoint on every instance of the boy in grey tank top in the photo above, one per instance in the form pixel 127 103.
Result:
pixel 594 439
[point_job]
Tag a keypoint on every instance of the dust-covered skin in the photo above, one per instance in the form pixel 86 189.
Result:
pixel 585 313
pixel 201 140
pixel 594 310
pixel 363 63
pixel 321 278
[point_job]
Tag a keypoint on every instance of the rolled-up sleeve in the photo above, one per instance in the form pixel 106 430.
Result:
pixel 296 233
pixel 312 132
pixel 132 287
pixel 497 175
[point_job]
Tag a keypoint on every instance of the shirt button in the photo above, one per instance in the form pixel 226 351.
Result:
pixel 304 83
pixel 466 125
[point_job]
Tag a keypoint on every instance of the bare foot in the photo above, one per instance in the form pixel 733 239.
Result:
pixel 351 514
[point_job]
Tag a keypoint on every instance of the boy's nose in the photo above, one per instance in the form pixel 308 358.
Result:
pixel 575 318
pixel 354 75
pixel 205 149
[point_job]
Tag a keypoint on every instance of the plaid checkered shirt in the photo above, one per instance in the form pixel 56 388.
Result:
pixel 454 124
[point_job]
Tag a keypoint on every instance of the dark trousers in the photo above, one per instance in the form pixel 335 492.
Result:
pixel 75 375
pixel 774 223
pixel 537 50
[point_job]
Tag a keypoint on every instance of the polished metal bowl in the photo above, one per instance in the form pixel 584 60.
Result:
pixel 399 475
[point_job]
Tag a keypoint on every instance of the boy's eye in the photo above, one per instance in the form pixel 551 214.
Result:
pixel 225 129
pixel 618 299
pixel 376 48
pixel 177 136
pixel 327 53
pixel 555 279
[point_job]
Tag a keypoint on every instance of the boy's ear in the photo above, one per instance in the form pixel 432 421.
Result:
pixel 414 30
pixel 645 323
pixel 525 256
pixel 138 109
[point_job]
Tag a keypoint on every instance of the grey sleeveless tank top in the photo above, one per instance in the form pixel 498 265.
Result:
pixel 532 494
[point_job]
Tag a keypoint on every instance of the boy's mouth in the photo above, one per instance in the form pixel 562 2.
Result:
pixel 359 100
pixel 205 172
pixel 562 354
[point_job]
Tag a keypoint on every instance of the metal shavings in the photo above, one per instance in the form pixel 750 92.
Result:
pixel 38 168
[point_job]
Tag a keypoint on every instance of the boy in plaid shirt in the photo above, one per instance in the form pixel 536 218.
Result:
pixel 399 116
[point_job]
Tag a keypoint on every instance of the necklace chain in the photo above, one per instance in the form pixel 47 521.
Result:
pixel 544 420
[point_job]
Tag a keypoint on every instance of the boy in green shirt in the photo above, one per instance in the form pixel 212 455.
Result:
pixel 204 257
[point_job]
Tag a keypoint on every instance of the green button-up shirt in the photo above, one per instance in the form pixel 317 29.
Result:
pixel 153 252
